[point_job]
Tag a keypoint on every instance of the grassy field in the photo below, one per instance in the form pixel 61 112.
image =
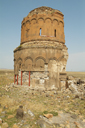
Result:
pixel 37 102
pixel 77 74
pixel 6 76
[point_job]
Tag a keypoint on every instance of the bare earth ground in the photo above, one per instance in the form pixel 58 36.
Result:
pixel 37 103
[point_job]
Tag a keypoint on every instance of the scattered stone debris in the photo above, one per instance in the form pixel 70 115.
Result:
pixel 30 113
pixel 61 121
pixel 4 125
pixel 27 105
pixel 48 115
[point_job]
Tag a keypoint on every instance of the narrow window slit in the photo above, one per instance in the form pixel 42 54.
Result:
pixel 40 31
pixel 55 33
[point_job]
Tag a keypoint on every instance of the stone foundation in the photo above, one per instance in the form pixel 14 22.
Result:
pixel 41 80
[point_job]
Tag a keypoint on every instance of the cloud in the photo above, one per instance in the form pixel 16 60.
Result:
pixel 76 62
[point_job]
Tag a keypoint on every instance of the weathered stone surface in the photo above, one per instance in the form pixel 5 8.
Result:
pixel 15 126
pixel 30 113
pixel 44 124
pixel 48 115
pixel 42 50
pixel 20 112
pixel 4 125
pixel 26 126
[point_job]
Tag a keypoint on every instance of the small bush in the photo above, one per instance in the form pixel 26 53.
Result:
pixel 52 112
pixel 19 47
pixel 45 112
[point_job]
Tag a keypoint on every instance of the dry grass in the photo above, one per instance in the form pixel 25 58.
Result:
pixel 6 77
pixel 77 74
pixel 38 103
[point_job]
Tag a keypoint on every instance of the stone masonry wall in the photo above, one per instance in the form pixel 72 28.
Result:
pixel 42 50
pixel 43 25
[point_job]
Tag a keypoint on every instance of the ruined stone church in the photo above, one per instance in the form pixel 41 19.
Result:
pixel 40 60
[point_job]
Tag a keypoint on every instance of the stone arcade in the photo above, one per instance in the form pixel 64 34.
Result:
pixel 40 60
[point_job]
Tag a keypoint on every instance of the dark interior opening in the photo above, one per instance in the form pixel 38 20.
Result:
pixel 55 32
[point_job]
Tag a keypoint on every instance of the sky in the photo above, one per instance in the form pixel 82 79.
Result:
pixel 12 13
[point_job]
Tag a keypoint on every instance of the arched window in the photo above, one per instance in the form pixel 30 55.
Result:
pixel 40 31
pixel 55 33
